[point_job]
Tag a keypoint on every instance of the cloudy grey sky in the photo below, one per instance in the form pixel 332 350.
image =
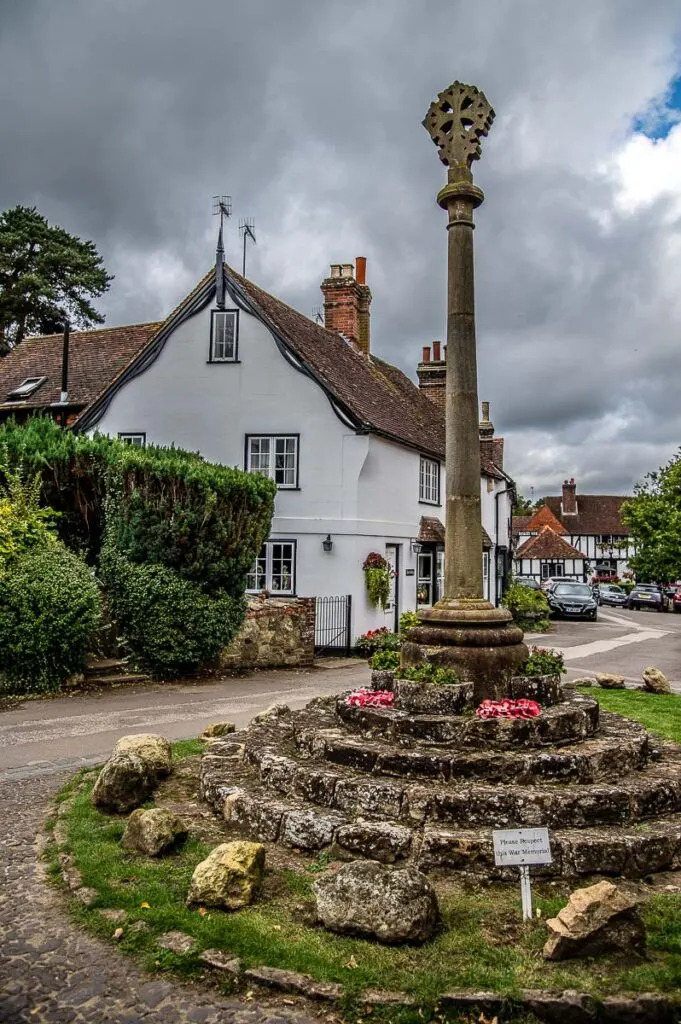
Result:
pixel 121 118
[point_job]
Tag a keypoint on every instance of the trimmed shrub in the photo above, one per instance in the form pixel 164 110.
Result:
pixel 170 507
pixel 170 624
pixel 49 610
pixel 529 607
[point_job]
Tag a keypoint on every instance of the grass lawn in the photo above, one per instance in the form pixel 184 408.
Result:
pixel 483 943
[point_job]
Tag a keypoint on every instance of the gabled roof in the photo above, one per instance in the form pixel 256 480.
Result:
pixel 519 524
pixel 432 530
pixel 596 514
pixel 95 358
pixel 545 517
pixel 547 544
pixel 375 396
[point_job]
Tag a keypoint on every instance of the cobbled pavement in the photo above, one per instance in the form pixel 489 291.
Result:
pixel 50 971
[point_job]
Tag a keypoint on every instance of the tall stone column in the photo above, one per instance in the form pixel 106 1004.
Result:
pixel 463 630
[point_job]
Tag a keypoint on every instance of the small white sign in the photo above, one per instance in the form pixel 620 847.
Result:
pixel 521 846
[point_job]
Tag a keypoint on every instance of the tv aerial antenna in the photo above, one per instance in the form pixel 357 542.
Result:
pixel 222 208
pixel 317 315
pixel 247 229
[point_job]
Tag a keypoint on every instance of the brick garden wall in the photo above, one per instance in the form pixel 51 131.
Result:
pixel 277 632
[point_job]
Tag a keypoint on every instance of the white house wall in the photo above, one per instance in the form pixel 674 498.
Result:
pixel 358 488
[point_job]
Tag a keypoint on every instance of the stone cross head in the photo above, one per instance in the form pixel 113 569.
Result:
pixel 456 122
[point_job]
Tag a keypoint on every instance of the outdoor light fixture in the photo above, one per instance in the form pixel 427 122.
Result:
pixel 327 543
pixel 416 547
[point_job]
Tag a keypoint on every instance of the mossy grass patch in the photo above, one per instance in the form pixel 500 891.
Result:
pixel 660 713
pixel 482 945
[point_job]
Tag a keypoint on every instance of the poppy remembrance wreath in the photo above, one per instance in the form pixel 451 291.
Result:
pixel 520 708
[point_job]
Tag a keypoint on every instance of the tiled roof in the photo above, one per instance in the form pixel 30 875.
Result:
pixel 519 524
pixel 547 544
pixel 545 517
pixel 596 514
pixel 432 531
pixel 95 359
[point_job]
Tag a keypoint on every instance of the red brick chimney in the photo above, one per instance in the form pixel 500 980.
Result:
pixel 347 298
pixel 432 373
pixel 569 503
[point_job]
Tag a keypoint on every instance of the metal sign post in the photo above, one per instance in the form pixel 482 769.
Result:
pixel 522 847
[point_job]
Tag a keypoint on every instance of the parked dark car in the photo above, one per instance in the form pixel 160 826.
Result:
pixel 527 581
pixel 676 601
pixel 610 593
pixel 573 600
pixel 646 595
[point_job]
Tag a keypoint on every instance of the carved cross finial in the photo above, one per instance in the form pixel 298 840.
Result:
pixel 456 121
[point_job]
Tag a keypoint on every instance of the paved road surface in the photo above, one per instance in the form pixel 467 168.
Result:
pixel 39 737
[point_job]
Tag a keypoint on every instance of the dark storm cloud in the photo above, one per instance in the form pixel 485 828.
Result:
pixel 122 118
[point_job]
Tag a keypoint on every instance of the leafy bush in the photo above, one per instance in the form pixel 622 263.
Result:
pixel 408 620
pixel 49 609
pixel 428 673
pixel 170 506
pixel 170 624
pixel 389 660
pixel 529 607
pixel 543 661
pixel 24 525
pixel 378 640
pixel 377 574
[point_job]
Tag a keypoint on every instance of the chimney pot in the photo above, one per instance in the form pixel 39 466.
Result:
pixel 436 352
pixel 346 304
pixel 569 497
pixel 336 270
pixel 347 270
pixel 426 354
pixel 485 412
pixel 361 269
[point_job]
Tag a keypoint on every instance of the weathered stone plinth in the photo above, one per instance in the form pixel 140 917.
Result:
pixel 405 785
pixel 480 642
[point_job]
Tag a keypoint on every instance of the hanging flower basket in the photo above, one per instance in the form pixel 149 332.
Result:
pixel 378 574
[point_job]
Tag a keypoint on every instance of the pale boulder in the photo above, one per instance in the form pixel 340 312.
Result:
pixel 125 782
pixel 655 681
pixel 609 681
pixel 155 750
pixel 217 729
pixel 153 832
pixel 230 877
pixel 597 919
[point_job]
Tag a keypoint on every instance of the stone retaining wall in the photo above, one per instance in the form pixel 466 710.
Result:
pixel 277 632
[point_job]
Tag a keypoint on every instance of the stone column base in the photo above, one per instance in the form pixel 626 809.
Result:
pixel 477 640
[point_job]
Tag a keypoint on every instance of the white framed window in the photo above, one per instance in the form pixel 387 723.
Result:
pixel 275 456
pixel 274 569
pixel 485 565
pixel 551 569
pixel 224 335
pixel 429 481
pixel 139 438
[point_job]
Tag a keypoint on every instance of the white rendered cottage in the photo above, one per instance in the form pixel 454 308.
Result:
pixel 355 447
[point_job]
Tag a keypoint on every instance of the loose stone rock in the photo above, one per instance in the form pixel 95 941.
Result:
pixel 155 750
pixel 154 831
pixel 217 729
pixel 176 942
pixel 596 920
pixel 292 981
pixel 230 876
pixel 124 782
pixel 221 961
pixel 582 681
pixel 368 899
pixel 609 682
pixel 655 681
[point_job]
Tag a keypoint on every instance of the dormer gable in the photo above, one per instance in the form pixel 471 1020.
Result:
pixel 545 517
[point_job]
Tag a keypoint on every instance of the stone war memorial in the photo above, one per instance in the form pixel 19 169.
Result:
pixel 421 773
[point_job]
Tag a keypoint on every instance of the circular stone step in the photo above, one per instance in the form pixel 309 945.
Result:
pixel 573 719
pixel 620 747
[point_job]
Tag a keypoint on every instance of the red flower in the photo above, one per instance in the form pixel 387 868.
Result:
pixel 370 698
pixel 521 708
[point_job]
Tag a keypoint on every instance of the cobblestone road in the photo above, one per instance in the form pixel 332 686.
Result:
pixel 50 971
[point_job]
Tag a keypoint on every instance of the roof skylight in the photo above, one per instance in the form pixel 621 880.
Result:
pixel 26 388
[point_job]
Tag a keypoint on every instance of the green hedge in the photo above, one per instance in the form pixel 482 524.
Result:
pixel 171 506
pixel 170 624
pixel 49 610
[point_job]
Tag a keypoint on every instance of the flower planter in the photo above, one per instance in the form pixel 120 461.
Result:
pixel 431 698
pixel 382 678
pixel 543 689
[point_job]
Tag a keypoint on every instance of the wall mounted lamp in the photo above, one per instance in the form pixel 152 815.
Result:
pixel 327 543
pixel 416 546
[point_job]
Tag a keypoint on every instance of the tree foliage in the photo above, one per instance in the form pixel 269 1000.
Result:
pixel 46 276
pixel 653 516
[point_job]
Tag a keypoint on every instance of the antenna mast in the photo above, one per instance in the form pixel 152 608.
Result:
pixel 247 229
pixel 222 207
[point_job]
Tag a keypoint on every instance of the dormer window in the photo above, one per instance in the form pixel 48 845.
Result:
pixel 224 335
pixel 26 388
